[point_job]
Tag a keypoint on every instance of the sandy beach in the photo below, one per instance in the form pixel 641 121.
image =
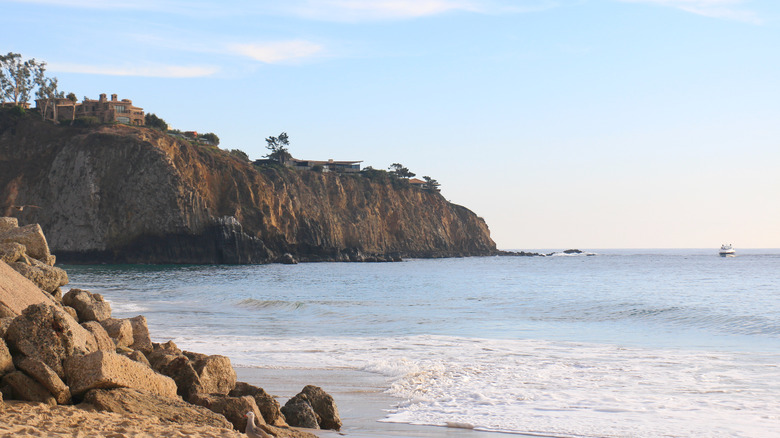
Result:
pixel 26 419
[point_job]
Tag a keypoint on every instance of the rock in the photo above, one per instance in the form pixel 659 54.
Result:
pixel 216 374
pixel 90 307
pixel 179 368
pixel 8 224
pixel 25 388
pixel 132 401
pixel 324 406
pixel 139 357
pixel 12 251
pixel 6 361
pixel 287 259
pixel 167 348
pixel 44 276
pixel 141 339
pixel 268 405
pixel 48 333
pixel 104 342
pixel 5 321
pixel 299 413
pixel 6 312
pixel 105 370
pixel 31 236
pixel 233 408
pixel 120 330
pixel 46 377
pixel 17 292
pixel 71 311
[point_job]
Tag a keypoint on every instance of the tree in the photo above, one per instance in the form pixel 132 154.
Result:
pixel 431 184
pixel 18 78
pixel 278 148
pixel 238 153
pixel 400 171
pixel 153 121
pixel 47 92
pixel 211 138
pixel 73 99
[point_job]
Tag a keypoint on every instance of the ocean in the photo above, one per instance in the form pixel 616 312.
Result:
pixel 621 343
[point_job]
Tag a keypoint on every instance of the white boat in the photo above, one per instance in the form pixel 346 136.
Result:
pixel 727 251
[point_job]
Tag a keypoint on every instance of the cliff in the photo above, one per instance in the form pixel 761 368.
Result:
pixel 123 194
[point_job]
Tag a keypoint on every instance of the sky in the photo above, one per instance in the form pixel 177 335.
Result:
pixel 563 123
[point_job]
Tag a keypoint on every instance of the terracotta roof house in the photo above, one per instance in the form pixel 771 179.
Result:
pixel 416 182
pixel 106 111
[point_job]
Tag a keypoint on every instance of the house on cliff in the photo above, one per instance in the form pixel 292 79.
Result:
pixel 327 166
pixel 106 111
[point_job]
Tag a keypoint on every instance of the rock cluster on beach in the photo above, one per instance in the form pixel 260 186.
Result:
pixel 66 349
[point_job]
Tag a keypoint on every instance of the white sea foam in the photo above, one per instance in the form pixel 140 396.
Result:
pixel 541 387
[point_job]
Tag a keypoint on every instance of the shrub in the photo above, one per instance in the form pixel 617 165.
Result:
pixel 86 121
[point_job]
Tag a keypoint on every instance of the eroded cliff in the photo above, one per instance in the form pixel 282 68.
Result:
pixel 128 194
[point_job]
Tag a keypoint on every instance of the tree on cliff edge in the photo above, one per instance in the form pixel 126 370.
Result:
pixel 17 78
pixel 278 148
pixel 400 171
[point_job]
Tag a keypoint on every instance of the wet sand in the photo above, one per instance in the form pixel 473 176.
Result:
pixel 360 398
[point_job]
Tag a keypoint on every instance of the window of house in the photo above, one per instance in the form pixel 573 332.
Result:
pixel 123 120
pixel 120 108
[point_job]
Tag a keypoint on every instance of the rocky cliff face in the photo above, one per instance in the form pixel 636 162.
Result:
pixel 126 194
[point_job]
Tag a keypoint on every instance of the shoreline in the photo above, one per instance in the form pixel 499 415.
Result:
pixel 361 399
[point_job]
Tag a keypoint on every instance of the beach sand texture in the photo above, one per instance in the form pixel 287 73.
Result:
pixel 25 419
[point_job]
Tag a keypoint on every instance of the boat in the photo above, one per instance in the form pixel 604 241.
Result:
pixel 727 251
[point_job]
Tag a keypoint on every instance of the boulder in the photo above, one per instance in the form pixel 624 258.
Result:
pixel 120 330
pixel 105 370
pixel 268 405
pixel 141 339
pixel 44 375
pixel 233 408
pixel 90 307
pixel 299 413
pixel 6 361
pixel 48 333
pixel 216 374
pixel 324 406
pixel 12 251
pixel 46 277
pixel 25 388
pixel 31 236
pixel 165 348
pixel 70 311
pixel 104 342
pixel 8 224
pixel 132 401
pixel 17 292
pixel 138 356
pixel 178 368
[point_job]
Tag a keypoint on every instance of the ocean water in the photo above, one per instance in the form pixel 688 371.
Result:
pixel 624 343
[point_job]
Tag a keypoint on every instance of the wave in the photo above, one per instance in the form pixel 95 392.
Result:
pixel 251 303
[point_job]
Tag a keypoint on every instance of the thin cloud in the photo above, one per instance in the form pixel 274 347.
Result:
pixel 353 10
pixel 726 9
pixel 155 71
pixel 278 52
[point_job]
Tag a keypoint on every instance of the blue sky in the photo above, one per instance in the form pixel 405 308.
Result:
pixel 563 123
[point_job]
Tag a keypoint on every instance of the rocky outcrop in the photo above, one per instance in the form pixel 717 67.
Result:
pixel 131 194
pixel 106 370
pixel 133 401
pixel 49 334
pixel 46 356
